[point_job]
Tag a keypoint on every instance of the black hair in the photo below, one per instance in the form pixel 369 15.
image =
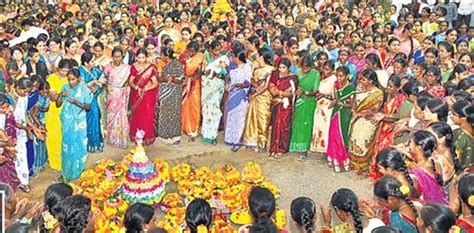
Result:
pixel 435 70
pixel 149 41
pixel 31 51
pixel 371 76
pixel 385 229
pixel 136 216
pixel 392 158
pixel 389 186
pixel 267 55
pixel 303 210
pixel 69 42
pixel 240 53
pixel 439 107
pixel 464 108
pixel 262 205
pixel 427 142
pixel 459 68
pixel 466 83
pixel 54 194
pixel 74 72
pixel 117 50
pixel 141 51
pixel 422 99
pixel 346 200
pixel 99 44
pixel 86 57
pixel 307 61
pixel 395 80
pixel 439 217
pixel 198 213
pixel 448 46
pixel 64 63
pixel 374 59
pixel 56 40
pixel 432 50
pixel 442 129
pixel 74 213
pixel 254 40
pixel 343 69
pixel 168 52
pixel 23 83
pixel 466 189
pixel 193 45
pixel 285 61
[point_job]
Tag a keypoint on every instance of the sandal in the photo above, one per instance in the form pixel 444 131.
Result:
pixel 302 157
pixel 278 156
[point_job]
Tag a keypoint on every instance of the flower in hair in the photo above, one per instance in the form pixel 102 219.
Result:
pixel 470 200
pixel 202 229
pixel 404 189
pixel 455 229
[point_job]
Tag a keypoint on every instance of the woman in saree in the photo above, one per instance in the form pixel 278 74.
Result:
pixel 52 117
pixel 237 102
pixel 322 113
pixel 212 92
pixel 168 121
pixel 283 87
pixel 258 113
pixel 191 104
pixel 367 102
pixel 90 74
pixel 302 128
pixel 387 119
pixel 358 59
pixel 8 130
pixel 117 74
pixel 76 98
pixel 338 139
pixel 143 83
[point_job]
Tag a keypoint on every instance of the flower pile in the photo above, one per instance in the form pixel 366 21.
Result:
pixel 226 190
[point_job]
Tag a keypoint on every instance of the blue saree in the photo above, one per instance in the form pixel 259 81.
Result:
pixel 30 147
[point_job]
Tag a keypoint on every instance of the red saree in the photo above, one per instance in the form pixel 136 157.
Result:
pixel 281 115
pixel 143 107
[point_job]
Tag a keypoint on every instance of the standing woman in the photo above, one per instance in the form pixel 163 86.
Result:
pixel 212 92
pixel 191 105
pixel 283 87
pixel 70 50
pixel 393 49
pixel 237 102
pixel 168 114
pixel 54 55
pixel 446 60
pixel 143 83
pixel 90 74
pixel 118 91
pixel 338 139
pixel 52 117
pixel 462 116
pixel 367 102
pixel 302 128
pixel 76 98
pixel 19 99
pixel 322 114
pixel 258 114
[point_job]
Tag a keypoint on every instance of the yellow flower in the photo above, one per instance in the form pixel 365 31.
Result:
pixel 470 201
pixel 404 189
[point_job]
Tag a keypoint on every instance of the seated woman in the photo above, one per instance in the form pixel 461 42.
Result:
pixel 436 217
pixel 54 194
pixel 303 212
pixel 138 218
pixel 198 216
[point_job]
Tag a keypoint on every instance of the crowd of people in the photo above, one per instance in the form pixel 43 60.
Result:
pixel 382 89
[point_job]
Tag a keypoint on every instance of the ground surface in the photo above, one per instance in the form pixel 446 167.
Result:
pixel 311 178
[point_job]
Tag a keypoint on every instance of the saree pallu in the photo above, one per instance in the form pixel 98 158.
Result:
pixel 304 113
pixel 95 141
pixel 281 116
pixel 53 124
pixel 362 133
pixel 211 97
pixel 237 105
pixel 402 223
pixel 428 188
pixel 142 115
pixel 338 140
pixel 30 144
pixel 168 124
pixel 191 104
pixel 385 133
pixel 118 93
pixel 258 113
pixel 21 162
pixel 74 130
pixel 322 116
pixel 8 173
pixel 41 152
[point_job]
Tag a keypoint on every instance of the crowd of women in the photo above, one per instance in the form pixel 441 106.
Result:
pixel 377 88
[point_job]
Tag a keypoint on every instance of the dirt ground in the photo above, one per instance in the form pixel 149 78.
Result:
pixel 311 178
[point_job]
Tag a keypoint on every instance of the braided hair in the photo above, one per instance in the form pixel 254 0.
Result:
pixel 392 158
pixel 262 206
pixel 303 210
pixel 427 142
pixel 466 190
pixel 346 200
pixel 389 186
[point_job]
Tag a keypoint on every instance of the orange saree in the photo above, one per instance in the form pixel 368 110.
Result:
pixel 191 105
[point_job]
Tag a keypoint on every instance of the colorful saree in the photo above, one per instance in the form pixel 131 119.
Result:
pixel 362 131
pixel 95 141
pixel 117 104
pixel 281 114
pixel 211 96
pixel 74 131
pixel 191 104
pixel 168 125
pixel 142 115
pixel 53 124
pixel 302 127
pixel 322 116
pixel 258 114
pixel 338 140
pixel 237 104
pixel 21 162
pixel 41 153
pixel 8 173
pixel 428 188
pixel 402 223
